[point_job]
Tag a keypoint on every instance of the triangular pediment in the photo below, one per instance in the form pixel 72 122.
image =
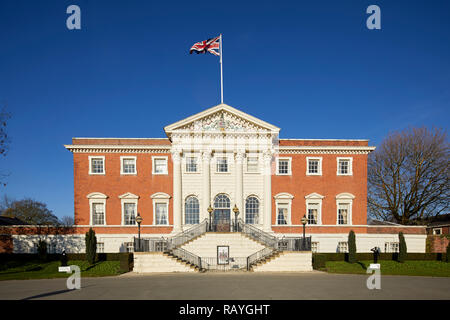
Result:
pixel 221 118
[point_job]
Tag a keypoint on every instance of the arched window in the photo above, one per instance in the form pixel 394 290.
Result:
pixel 252 210
pixel 221 201
pixel 191 210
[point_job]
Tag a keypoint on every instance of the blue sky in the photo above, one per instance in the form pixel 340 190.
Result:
pixel 309 67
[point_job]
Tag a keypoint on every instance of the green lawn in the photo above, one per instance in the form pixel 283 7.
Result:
pixel 408 268
pixel 37 270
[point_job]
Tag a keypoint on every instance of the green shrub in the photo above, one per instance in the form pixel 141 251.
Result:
pixel 351 247
pixel 91 246
pixel 402 252
pixel 42 250
pixel 319 261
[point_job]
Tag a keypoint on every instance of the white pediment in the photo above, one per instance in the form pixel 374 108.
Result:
pixel 221 118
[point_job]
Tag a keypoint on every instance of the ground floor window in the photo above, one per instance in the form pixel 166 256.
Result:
pixel 129 246
pixel 342 246
pixel 391 247
pixel 100 247
pixel 283 210
pixel 315 246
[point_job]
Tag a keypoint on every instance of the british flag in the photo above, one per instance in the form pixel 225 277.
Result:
pixel 209 45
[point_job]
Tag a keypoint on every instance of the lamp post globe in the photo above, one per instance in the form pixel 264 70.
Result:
pixel 139 221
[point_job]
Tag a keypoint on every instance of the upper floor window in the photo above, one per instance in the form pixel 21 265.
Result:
pixel 314 166
pixel 98 214
pixel 252 164
pixel 313 213
pixel 128 165
pixel 222 164
pixel 191 164
pixel 159 165
pixel 161 213
pixel 191 210
pixel 343 213
pixel 252 210
pixel 284 166
pixel 344 203
pixel 97 165
pixel 344 166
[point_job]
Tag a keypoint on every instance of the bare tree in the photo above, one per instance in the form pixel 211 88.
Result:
pixel 408 176
pixel 4 141
pixel 31 211
pixel 67 221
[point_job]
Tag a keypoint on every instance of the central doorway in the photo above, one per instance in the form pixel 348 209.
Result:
pixel 222 212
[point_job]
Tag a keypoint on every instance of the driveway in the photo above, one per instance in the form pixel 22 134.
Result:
pixel 230 286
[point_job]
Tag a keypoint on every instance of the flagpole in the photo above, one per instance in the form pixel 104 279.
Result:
pixel 221 71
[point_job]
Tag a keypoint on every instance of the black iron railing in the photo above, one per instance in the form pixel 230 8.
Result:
pixel 150 245
pixel 294 244
pixel 233 263
pixel 257 234
pixel 187 256
pixel 259 256
pixel 188 235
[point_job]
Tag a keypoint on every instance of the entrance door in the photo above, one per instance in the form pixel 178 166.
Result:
pixel 222 212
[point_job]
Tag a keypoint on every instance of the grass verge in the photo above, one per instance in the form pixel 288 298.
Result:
pixel 408 268
pixel 47 270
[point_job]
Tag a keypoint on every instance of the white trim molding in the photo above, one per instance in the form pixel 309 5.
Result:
pixel 325 149
pixel 319 166
pixel 314 198
pixel 97 197
pixel 92 148
pixel 90 165
pixel 128 158
pixel 344 199
pixel 350 166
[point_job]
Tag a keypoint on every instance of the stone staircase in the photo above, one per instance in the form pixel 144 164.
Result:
pixel 148 262
pixel 285 261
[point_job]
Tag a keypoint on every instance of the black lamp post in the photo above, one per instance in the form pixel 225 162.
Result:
pixel 210 211
pixel 304 222
pixel 236 213
pixel 139 221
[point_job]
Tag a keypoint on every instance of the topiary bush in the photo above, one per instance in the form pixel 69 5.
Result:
pixel 42 250
pixel 319 261
pixel 91 246
pixel 351 247
pixel 403 251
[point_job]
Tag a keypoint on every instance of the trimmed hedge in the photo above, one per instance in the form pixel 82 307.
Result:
pixel 16 259
pixel 319 259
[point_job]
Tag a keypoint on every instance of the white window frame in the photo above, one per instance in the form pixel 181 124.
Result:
pixel 312 199
pixel 258 168
pixel 434 231
pixel 350 166
pixel 102 245
pixel 160 197
pixel 129 246
pixel 128 198
pixel 344 198
pixel 339 244
pixel 284 198
pixel 96 197
pixel 316 245
pixel 128 158
pixel 90 165
pixel 185 162
pixel 390 246
pixel 166 158
pixel 289 159
pixel 225 156
pixel 319 166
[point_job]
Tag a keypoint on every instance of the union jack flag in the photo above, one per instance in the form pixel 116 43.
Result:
pixel 209 45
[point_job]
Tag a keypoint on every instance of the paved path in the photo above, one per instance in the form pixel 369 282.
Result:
pixel 230 286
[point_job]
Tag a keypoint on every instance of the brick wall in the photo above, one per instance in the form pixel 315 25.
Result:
pixel 439 244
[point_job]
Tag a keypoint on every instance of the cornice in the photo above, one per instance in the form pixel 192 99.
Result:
pixel 325 149
pixel 118 148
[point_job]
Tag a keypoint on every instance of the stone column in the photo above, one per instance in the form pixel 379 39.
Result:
pixel 177 193
pixel 206 192
pixel 267 172
pixel 239 183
